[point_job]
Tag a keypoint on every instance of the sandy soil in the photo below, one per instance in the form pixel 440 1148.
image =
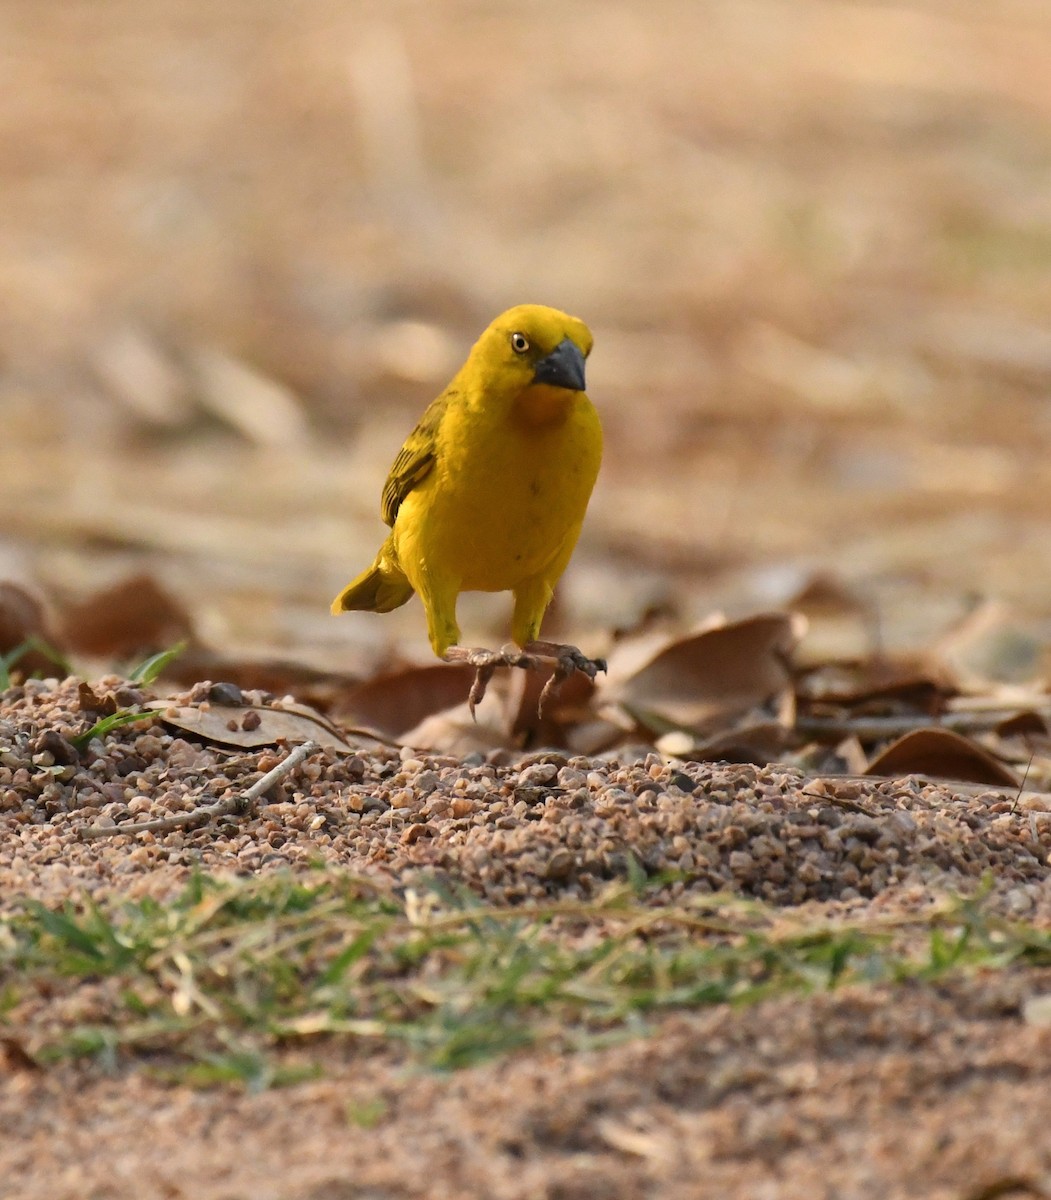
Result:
pixel 926 1094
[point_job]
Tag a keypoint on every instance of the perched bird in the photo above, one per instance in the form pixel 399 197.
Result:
pixel 489 493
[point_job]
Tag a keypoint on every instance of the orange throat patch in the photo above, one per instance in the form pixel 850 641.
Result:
pixel 542 404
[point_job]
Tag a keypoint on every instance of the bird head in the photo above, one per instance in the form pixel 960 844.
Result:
pixel 532 347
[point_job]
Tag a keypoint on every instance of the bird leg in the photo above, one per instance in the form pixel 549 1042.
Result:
pixel 567 659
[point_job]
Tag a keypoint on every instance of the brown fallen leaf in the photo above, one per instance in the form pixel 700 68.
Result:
pixel 453 731
pixel 250 724
pixel 992 645
pixel 91 702
pixel 841 624
pixel 710 681
pixel 423 707
pixel 395 702
pixel 23 622
pixel 1020 1187
pixel 594 735
pixel 136 370
pixel 132 618
pixel 877 685
pixel 852 755
pixel 752 740
pixel 1023 724
pixel 941 754
pixel 259 407
pixel 571 704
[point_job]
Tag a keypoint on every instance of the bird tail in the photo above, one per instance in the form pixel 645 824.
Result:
pixel 379 589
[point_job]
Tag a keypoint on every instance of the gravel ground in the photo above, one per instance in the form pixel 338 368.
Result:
pixel 864 1093
pixel 546 825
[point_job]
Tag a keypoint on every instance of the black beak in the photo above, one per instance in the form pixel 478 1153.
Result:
pixel 563 367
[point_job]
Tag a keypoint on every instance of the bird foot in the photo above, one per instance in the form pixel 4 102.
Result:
pixel 485 663
pixel 567 660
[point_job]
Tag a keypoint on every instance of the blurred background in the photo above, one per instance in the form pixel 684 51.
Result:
pixel 243 244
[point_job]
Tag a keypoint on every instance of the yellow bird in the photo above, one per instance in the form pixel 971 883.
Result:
pixel 489 493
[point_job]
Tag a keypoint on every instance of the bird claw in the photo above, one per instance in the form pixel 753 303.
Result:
pixel 567 660
pixel 477 693
pixel 485 663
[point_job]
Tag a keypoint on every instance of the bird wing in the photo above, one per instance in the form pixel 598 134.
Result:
pixel 415 458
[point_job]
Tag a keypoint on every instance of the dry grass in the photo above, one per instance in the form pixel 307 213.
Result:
pixel 813 239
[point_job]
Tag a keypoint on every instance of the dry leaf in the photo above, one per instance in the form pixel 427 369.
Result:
pixel 424 707
pixel 1023 724
pixel 877 685
pixel 852 755
pixel 823 593
pixel 593 736
pixel 990 645
pixel 250 724
pixel 94 704
pixel 941 754
pixel 753 740
pixel 136 371
pixel 571 704
pixel 260 408
pixel 398 701
pixel 452 731
pixel 841 625
pixel 711 680
pixel 22 617
pixel 131 618
pixel 1022 740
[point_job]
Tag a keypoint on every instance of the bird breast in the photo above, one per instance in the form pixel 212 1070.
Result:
pixel 505 495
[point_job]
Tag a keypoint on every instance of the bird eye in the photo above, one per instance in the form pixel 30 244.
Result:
pixel 519 343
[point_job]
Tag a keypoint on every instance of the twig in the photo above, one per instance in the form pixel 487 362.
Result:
pixel 221 808
pixel 956 786
pixel 962 721
pixel 841 801
pixel 1021 786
